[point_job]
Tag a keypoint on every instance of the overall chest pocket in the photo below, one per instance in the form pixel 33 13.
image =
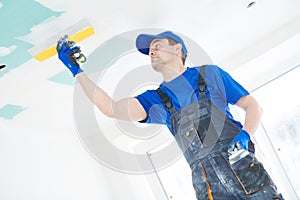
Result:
pixel 187 138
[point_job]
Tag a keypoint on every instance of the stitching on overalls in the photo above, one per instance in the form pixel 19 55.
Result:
pixel 209 194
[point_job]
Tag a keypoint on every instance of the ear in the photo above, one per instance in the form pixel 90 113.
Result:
pixel 178 48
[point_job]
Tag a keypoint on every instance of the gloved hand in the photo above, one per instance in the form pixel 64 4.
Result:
pixel 67 54
pixel 240 141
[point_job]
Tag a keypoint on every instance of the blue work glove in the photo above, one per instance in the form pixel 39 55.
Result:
pixel 240 141
pixel 66 53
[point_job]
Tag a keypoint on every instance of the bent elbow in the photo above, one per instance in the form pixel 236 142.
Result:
pixel 108 114
pixel 106 110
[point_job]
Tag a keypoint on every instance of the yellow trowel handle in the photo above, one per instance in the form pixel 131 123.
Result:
pixel 77 37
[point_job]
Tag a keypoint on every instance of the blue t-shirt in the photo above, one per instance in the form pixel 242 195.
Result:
pixel 223 90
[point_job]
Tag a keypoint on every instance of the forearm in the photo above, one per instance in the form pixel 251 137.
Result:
pixel 97 95
pixel 252 120
pixel 253 113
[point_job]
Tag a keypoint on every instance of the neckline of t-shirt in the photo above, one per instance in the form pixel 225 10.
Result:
pixel 164 83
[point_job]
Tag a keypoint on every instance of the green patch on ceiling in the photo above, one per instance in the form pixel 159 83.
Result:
pixel 16 19
pixel 9 111
pixel 64 77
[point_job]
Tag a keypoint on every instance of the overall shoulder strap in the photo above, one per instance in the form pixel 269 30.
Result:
pixel 166 100
pixel 201 82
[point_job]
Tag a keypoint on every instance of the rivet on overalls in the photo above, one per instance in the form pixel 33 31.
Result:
pixel 187 134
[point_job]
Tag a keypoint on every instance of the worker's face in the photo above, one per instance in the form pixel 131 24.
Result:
pixel 162 53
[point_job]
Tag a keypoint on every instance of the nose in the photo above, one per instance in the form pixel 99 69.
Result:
pixel 152 51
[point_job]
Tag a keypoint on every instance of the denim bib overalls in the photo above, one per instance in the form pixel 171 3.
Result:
pixel 203 133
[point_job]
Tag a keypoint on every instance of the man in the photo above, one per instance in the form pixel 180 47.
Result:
pixel 193 103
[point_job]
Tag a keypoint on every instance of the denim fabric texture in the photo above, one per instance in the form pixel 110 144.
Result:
pixel 203 132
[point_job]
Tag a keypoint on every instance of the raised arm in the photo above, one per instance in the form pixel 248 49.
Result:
pixel 126 109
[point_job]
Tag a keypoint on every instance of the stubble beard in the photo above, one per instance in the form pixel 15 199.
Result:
pixel 157 65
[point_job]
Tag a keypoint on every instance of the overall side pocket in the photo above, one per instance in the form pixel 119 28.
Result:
pixel 250 174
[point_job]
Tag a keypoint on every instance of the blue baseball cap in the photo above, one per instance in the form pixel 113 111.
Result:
pixel 143 41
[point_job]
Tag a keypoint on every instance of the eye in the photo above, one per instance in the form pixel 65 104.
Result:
pixel 157 46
